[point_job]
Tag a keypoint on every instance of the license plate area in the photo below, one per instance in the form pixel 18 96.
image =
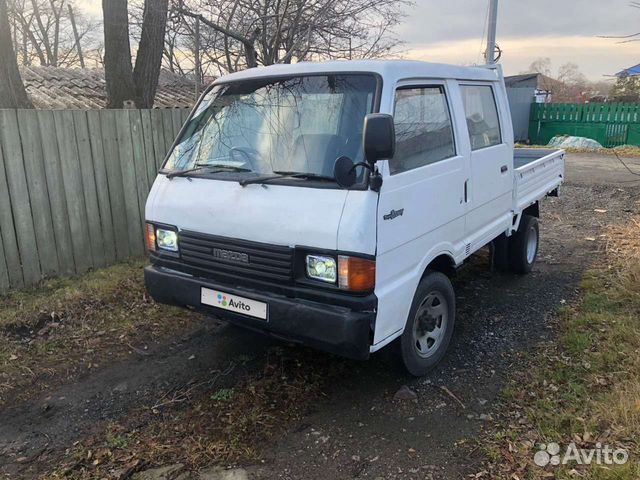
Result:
pixel 234 303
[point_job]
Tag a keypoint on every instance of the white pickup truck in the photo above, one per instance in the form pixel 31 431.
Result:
pixel 330 203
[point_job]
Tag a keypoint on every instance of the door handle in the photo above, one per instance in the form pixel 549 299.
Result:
pixel 504 169
pixel 466 191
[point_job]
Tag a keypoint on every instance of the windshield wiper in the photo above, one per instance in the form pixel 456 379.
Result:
pixel 279 174
pixel 201 166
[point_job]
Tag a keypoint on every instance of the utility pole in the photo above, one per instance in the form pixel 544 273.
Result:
pixel 490 54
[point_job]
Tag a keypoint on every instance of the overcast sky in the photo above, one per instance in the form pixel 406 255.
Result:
pixel 564 30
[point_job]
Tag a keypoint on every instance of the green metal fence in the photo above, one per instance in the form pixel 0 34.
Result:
pixel 611 124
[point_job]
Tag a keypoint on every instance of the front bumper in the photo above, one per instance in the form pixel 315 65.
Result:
pixel 336 329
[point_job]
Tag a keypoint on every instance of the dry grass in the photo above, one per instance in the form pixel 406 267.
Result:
pixel 584 388
pixel 67 326
pixel 213 425
pixel 623 151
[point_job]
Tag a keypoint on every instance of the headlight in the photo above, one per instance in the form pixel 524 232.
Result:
pixel 322 268
pixel 167 239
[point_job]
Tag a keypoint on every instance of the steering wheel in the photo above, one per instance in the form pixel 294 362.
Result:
pixel 247 153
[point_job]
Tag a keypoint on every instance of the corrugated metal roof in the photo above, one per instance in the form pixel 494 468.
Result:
pixel 53 88
pixel 630 72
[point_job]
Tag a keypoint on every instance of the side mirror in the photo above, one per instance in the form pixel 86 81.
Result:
pixel 379 137
pixel 344 172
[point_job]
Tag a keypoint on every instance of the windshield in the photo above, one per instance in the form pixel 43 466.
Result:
pixel 263 126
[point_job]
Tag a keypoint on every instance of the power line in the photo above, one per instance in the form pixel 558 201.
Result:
pixel 625 165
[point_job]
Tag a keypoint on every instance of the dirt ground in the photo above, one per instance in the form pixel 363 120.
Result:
pixel 356 429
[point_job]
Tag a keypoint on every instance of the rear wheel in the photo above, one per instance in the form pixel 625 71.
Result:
pixel 523 245
pixel 429 327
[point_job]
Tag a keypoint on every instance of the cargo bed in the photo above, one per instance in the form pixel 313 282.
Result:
pixel 537 173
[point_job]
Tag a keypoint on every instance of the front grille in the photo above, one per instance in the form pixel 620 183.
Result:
pixel 215 254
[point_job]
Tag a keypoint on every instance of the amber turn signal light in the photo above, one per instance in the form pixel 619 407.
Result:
pixel 151 237
pixel 356 274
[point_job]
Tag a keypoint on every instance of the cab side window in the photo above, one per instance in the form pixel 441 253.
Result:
pixel 424 134
pixel 482 116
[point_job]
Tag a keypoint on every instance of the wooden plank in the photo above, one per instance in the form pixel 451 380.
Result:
pixel 11 255
pixel 139 163
pixel 57 197
pixel 89 188
pixel 149 149
pixel 132 211
pixel 38 191
pixel 176 117
pixel 169 134
pixel 74 190
pixel 102 184
pixel 116 187
pixel 159 144
pixel 19 193
pixel 4 272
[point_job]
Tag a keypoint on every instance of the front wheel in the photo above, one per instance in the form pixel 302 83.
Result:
pixel 429 327
pixel 523 245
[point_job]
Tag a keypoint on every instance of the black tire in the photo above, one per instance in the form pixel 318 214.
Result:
pixel 500 254
pixel 418 357
pixel 521 257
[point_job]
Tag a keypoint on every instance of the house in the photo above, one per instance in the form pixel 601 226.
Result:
pixel 540 85
pixel 54 88
pixel 629 72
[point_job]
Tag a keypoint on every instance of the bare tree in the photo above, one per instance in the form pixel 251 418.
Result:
pixel 12 92
pixel 238 34
pixel 633 37
pixel 568 84
pixel 50 32
pixel 76 35
pixel 573 85
pixel 540 65
pixel 125 83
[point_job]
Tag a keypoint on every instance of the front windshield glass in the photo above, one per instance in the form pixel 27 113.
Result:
pixel 260 126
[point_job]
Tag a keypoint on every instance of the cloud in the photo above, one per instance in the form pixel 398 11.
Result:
pixel 596 57
pixel 565 31
pixel 435 20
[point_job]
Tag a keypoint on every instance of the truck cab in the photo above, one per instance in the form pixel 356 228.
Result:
pixel 328 203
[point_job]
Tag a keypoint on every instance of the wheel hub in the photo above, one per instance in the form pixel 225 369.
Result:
pixel 430 324
pixel 532 245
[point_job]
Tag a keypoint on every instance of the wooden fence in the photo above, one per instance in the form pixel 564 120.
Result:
pixel 73 186
pixel 611 124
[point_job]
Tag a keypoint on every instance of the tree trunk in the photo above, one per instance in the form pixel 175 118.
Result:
pixel 149 57
pixel 118 73
pixel 12 92
pixel 76 37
